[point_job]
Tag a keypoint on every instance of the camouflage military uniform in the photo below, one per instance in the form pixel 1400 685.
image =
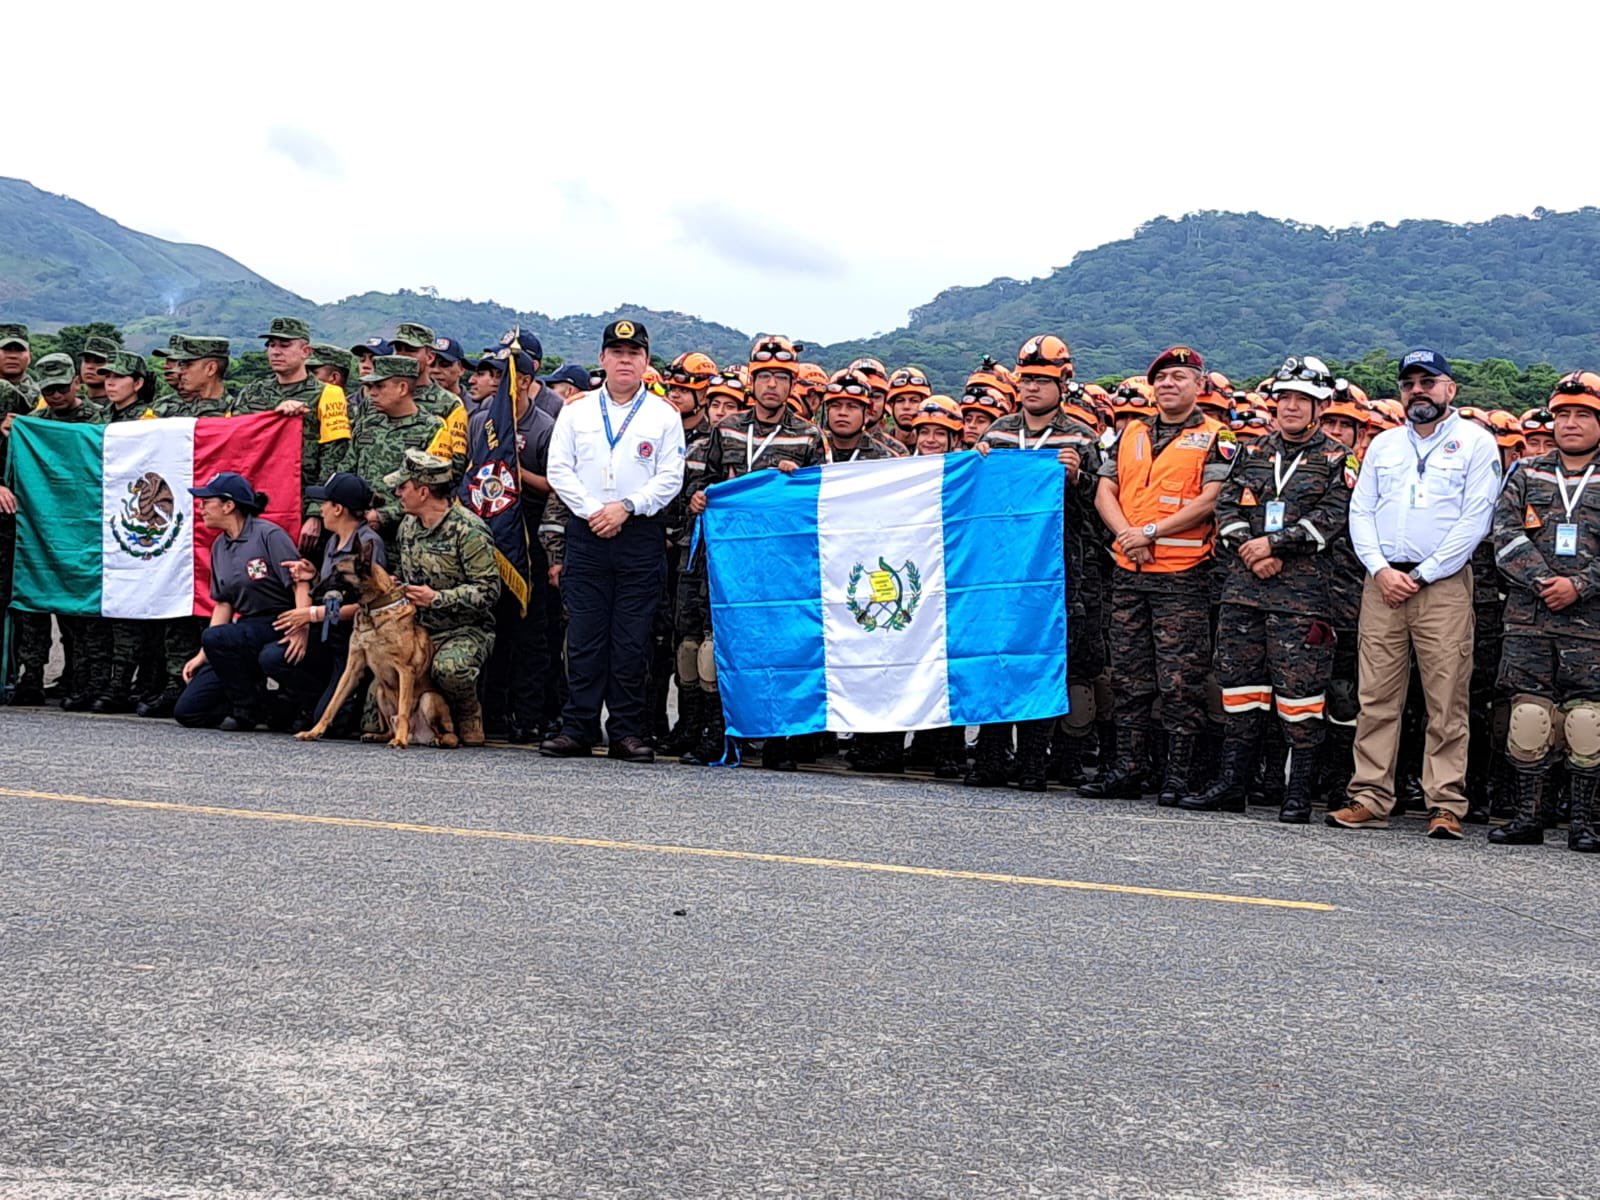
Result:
pixel 379 447
pixel 325 437
pixel 1085 591
pixel 1159 619
pixel 13 403
pixel 1274 640
pixel 1550 660
pixel 456 559
pixel 435 401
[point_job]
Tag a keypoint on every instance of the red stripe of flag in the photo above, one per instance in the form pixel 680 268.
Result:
pixel 265 449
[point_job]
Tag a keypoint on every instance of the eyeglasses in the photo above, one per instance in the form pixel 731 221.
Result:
pixel 1311 370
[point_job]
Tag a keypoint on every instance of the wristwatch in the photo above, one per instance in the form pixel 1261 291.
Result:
pixel 628 504
pixel 1415 575
pixel 1149 531
pixel 437 601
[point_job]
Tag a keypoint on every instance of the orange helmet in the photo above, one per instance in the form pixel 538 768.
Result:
pixel 1507 430
pixel 812 375
pixel 691 370
pixel 1579 389
pixel 1047 355
pixel 1349 402
pixel 1251 422
pixel 1078 404
pixel 774 352
pixel 1216 381
pixel 1392 412
pixel 1538 420
pixel 1219 403
pixel 873 370
pixel 909 381
pixel 1474 414
pixel 799 403
pixel 992 375
pixel 848 385
pixel 938 411
pixel 983 394
pixel 730 382
pixel 1133 397
pixel 652 380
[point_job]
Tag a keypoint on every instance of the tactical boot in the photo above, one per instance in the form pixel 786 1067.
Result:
pixel 1105 737
pixel 1175 783
pixel 713 738
pixel 469 721
pixel 1033 744
pixel 1296 808
pixel 1125 778
pixel 1066 757
pixel 117 697
pixel 1227 793
pixel 160 706
pixel 28 691
pixel 1338 764
pixel 686 734
pixel 777 755
pixel 989 758
pixel 1274 761
pixel 1526 828
pixel 1581 836
pixel 949 752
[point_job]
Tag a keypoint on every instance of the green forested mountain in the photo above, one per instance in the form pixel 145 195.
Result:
pixel 1245 288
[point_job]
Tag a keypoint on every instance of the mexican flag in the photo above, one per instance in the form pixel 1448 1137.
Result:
pixel 105 522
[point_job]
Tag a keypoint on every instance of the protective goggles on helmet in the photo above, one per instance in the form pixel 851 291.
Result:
pixel 1035 354
pixel 1249 420
pixel 688 378
pixel 1307 370
pixel 726 381
pixel 1539 420
pixel 849 389
pixel 773 352
pixel 1131 396
pixel 901 379
pixel 1579 383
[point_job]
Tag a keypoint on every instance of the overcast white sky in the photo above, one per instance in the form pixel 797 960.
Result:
pixel 818 169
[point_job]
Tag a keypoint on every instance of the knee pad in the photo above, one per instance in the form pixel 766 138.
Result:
pixel 688 663
pixel 1531 734
pixel 1103 700
pixel 1081 706
pixel 1344 704
pixel 706 663
pixel 1582 730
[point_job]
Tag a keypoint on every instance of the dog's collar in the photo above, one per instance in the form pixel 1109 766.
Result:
pixel 391 599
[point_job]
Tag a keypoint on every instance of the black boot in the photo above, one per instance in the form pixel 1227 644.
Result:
pixel 1303 763
pixel 1274 760
pixel 1066 757
pixel 1033 745
pixel 1581 835
pixel 1338 764
pixel 1124 780
pixel 686 734
pixel 1227 793
pixel 1175 782
pixel 989 758
pixel 778 755
pixel 161 705
pixel 1526 828
pixel 949 752
pixel 713 739
pixel 1105 737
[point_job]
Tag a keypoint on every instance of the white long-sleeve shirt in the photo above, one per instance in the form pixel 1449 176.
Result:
pixel 645 466
pixel 1425 500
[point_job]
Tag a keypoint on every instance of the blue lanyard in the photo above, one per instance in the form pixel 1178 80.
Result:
pixel 605 415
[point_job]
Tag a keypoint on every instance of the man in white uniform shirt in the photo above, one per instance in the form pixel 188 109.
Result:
pixel 1424 500
pixel 616 461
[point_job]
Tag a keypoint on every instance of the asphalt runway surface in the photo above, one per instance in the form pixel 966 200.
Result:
pixel 240 966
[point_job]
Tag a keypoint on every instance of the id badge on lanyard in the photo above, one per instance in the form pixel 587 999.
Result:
pixel 1567 531
pixel 1280 480
pixel 1274 516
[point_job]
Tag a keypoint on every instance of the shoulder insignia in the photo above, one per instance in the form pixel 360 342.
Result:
pixel 1227 445
pixel 1248 500
pixel 1531 519
pixel 1352 469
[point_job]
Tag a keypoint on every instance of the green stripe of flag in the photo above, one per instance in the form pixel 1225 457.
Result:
pixel 55 472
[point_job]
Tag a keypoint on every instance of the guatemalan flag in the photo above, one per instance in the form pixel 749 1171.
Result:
pixel 902 594
pixel 105 522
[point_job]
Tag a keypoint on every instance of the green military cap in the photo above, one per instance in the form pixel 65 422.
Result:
pixel 289 328
pixel 187 349
pixel 420 467
pixel 125 362
pixel 55 370
pixel 166 351
pixel 13 335
pixel 391 366
pixel 325 355
pixel 99 347
pixel 411 334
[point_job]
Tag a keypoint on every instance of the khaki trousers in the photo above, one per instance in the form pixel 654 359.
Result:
pixel 1438 624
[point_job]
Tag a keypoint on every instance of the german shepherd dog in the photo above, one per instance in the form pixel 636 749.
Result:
pixel 387 639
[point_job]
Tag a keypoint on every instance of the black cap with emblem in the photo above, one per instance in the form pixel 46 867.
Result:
pixel 625 333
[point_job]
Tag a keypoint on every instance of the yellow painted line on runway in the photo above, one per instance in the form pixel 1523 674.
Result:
pixel 551 839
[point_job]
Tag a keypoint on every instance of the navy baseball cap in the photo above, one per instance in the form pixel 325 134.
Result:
pixel 496 361
pixel 1430 361
pixel 571 373
pixel 527 342
pixel 343 488
pixel 227 485
pixel 375 346
pixel 449 351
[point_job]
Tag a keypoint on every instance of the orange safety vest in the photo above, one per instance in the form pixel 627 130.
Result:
pixel 1150 487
